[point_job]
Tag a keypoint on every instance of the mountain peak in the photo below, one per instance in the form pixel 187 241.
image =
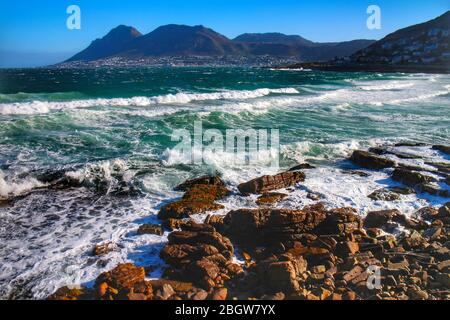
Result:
pixel 111 44
pixel 273 38
pixel 123 30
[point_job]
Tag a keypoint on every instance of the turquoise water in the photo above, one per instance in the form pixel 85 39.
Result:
pixel 110 129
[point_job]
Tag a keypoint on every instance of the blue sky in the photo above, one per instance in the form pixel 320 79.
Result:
pixel 33 32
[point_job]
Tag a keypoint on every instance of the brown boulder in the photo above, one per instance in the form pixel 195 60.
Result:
pixel 102 249
pixel 215 221
pixel 434 189
pixel 269 198
pixel 178 255
pixel 165 292
pixel 281 276
pixel 151 229
pixel 219 294
pixel 178 286
pixel 302 166
pixel 172 224
pixel 269 183
pixel 198 199
pixel 444 211
pixel 265 226
pixel 183 209
pixel 411 178
pixel 122 277
pixel 205 180
pixel 340 221
pixel 380 219
pixel 384 195
pixel 203 272
pixel 368 160
pixel 194 238
pixel 427 213
pixel 75 293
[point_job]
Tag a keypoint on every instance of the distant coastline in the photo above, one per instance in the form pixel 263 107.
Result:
pixel 354 67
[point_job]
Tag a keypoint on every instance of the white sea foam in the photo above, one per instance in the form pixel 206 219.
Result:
pixel 11 188
pixel 387 85
pixel 35 107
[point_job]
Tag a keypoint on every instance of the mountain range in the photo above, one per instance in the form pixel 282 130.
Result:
pixel 199 41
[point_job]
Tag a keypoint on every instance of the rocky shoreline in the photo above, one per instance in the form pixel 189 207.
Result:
pixel 315 253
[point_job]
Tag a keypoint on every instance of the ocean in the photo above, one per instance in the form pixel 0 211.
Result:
pixel 110 130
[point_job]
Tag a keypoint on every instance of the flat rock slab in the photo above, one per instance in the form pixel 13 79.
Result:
pixel 268 183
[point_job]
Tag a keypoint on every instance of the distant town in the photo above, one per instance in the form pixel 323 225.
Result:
pixel 183 61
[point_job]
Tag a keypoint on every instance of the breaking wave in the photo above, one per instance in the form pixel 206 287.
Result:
pixel 36 107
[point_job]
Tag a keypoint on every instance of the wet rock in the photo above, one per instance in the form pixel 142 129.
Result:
pixel 178 286
pixel 183 209
pixel 417 294
pixel 165 292
pixel 215 221
pixel 282 275
pixel 198 199
pixel 201 256
pixel 122 277
pixel 427 213
pixel 442 168
pixel 178 255
pixel 444 211
pixel 302 166
pixel 443 279
pixel 269 183
pixel 102 249
pixel 191 225
pixel 194 238
pixel 199 295
pixel 383 218
pixel 369 160
pixel 340 221
pixel 269 198
pixel 206 180
pixel 155 229
pixel 414 241
pixel 356 173
pixel 271 225
pixel 409 144
pixel 72 293
pixel 384 195
pixel 402 190
pixel 4 203
pixel 347 248
pixel 434 189
pixel 172 224
pixel 219 294
pixel 411 178
pixel 203 272
pixel 442 148
pixel 386 150
pixel 356 275
pixel 274 297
